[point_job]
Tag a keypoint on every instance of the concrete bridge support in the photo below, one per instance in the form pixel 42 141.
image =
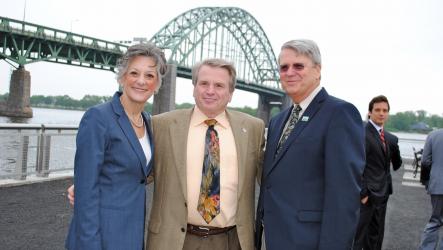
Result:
pixel 266 103
pixel 164 100
pixel 18 103
pixel 286 102
pixel 264 109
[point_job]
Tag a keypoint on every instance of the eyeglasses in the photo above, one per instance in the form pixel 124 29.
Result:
pixel 297 67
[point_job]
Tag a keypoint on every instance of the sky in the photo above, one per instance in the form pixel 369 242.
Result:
pixel 389 47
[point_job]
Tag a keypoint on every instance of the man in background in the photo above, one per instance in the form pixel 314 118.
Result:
pixel 433 158
pixel 381 150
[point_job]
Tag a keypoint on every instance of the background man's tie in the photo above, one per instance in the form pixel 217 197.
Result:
pixel 209 199
pixel 382 138
pixel 293 119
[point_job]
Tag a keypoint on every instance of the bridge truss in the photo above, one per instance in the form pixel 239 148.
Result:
pixel 23 43
pixel 229 33
pixel 207 32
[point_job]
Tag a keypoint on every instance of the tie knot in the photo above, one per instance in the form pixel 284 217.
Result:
pixel 297 109
pixel 382 132
pixel 211 122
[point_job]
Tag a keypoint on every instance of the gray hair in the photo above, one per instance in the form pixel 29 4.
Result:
pixel 142 49
pixel 216 63
pixel 305 47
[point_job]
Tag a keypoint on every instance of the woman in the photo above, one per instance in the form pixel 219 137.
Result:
pixel 113 158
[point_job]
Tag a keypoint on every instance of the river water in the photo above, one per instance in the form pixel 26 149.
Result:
pixel 63 145
pixel 48 116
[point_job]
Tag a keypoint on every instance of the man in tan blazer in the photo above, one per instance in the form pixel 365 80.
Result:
pixel 179 138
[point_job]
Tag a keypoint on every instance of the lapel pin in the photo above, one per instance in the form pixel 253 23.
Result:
pixel 243 129
pixel 305 118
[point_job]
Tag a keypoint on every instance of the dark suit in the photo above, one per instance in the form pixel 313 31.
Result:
pixel 377 185
pixel 310 191
pixel 110 172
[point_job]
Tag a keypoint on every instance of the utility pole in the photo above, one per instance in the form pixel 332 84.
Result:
pixel 24 12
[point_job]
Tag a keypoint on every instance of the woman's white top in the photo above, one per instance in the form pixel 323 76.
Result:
pixel 146 146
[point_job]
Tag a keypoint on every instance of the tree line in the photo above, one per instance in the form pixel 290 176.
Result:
pixel 401 121
pixel 404 121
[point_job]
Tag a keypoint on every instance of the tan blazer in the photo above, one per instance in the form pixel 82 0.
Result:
pixel 167 224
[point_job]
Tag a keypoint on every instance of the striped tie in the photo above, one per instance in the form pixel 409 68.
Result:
pixel 382 138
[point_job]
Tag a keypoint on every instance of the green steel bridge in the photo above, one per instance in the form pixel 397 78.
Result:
pixel 229 33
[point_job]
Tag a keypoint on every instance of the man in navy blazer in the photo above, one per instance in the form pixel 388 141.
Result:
pixel 314 159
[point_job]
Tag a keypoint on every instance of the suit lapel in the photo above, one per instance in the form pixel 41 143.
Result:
pixel 128 131
pixel 304 121
pixel 376 135
pixel 274 137
pixel 241 138
pixel 178 133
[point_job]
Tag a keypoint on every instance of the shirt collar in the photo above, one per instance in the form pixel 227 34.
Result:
pixel 305 103
pixel 198 118
pixel 378 128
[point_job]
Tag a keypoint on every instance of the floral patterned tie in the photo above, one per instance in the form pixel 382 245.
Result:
pixel 209 198
pixel 293 119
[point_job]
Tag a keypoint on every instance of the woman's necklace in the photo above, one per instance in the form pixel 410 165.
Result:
pixel 140 125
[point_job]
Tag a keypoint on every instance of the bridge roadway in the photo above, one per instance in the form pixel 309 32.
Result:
pixel 37 215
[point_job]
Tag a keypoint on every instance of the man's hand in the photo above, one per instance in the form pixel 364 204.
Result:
pixel 363 201
pixel 71 194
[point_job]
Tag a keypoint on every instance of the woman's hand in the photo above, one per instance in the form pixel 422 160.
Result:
pixel 71 195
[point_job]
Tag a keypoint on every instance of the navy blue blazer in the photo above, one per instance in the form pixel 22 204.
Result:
pixel 310 191
pixel 110 172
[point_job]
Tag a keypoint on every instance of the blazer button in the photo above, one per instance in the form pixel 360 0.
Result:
pixel 183 230
pixel 186 205
pixel 142 181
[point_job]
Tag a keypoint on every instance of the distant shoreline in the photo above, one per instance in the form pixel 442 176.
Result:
pixel 58 107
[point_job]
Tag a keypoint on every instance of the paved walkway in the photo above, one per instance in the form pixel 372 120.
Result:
pixel 409 209
pixel 34 216
pixel 37 215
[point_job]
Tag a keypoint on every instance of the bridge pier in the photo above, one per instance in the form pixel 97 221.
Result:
pixel 264 109
pixel 18 103
pixel 266 103
pixel 286 102
pixel 164 100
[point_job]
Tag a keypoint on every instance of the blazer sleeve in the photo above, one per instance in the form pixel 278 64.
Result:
pixel 344 164
pixel 89 159
pixel 395 152
pixel 426 158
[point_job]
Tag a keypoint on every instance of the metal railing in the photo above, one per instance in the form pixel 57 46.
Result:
pixel 42 134
pixel 42 142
